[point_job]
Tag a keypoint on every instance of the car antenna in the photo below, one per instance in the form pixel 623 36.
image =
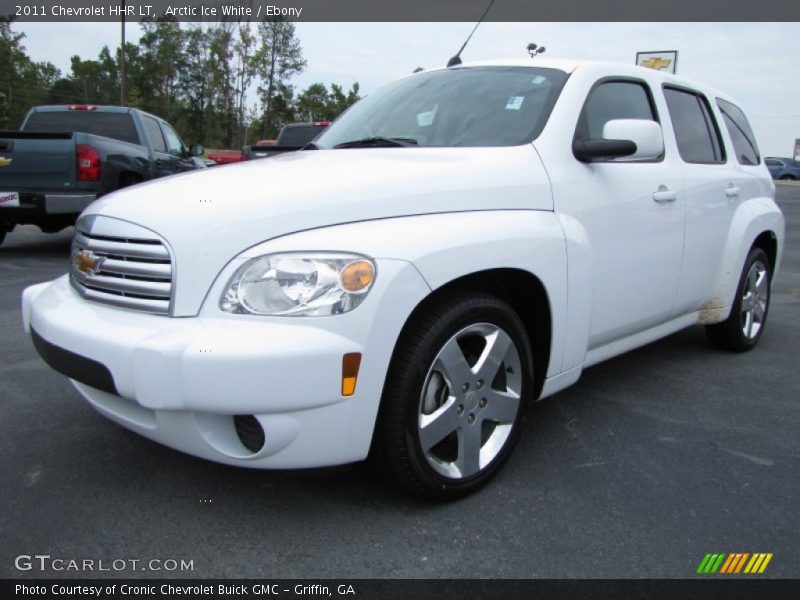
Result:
pixel 456 60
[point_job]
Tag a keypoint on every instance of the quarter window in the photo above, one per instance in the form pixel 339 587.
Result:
pixel 744 142
pixel 613 100
pixel 696 130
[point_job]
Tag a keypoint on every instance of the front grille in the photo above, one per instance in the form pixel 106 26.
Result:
pixel 118 263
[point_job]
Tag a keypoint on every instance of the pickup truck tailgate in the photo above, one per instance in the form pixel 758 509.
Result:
pixel 42 161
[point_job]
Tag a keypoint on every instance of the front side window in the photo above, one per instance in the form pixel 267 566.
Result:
pixel 613 100
pixel 744 141
pixel 466 106
pixel 174 143
pixel 696 131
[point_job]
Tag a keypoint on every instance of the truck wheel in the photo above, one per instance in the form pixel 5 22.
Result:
pixel 743 328
pixel 454 397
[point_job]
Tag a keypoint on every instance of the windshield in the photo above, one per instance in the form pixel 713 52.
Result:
pixel 472 106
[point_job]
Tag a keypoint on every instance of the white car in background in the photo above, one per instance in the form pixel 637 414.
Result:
pixel 457 244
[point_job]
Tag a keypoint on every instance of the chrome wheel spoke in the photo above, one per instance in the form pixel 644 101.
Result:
pixel 453 364
pixel 761 284
pixel 437 426
pixel 497 346
pixel 469 450
pixel 760 310
pixel 501 407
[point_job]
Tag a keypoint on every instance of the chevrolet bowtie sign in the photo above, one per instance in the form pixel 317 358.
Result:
pixel 664 60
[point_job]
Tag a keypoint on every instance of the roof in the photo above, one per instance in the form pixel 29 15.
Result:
pixel 617 68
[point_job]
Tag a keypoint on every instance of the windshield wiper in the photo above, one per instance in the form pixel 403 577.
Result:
pixel 311 146
pixel 378 141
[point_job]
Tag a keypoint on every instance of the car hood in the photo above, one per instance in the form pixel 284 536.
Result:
pixel 209 216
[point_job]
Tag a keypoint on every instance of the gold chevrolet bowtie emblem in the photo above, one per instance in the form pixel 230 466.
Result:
pixel 4 162
pixel 87 263
pixel 657 63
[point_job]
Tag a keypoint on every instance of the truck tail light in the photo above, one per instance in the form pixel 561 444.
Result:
pixel 87 163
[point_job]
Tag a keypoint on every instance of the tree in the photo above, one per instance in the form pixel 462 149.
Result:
pixel 23 83
pixel 313 103
pixel 278 57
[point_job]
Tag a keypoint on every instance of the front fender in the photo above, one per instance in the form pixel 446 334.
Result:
pixel 444 247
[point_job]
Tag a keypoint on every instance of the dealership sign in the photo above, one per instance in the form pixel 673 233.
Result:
pixel 662 60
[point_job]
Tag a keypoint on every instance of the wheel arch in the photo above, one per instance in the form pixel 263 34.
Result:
pixel 520 289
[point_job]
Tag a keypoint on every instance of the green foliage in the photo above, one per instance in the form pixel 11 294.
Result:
pixel 23 83
pixel 196 77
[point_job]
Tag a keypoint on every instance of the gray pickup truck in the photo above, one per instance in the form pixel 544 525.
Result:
pixel 64 157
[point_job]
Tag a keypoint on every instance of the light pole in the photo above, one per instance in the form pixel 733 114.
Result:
pixel 122 60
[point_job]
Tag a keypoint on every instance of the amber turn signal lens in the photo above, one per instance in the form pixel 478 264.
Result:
pixel 357 276
pixel 350 365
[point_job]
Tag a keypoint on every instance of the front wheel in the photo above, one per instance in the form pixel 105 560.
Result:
pixel 455 396
pixel 787 178
pixel 743 328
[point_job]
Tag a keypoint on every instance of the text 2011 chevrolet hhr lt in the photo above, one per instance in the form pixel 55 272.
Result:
pixel 457 244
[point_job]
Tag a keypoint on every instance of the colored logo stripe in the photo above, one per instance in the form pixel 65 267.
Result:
pixel 758 563
pixel 710 563
pixel 735 563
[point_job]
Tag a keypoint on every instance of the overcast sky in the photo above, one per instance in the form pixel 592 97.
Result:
pixel 753 62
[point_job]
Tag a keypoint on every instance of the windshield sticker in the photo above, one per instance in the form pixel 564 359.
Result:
pixel 425 119
pixel 515 102
pixel 538 80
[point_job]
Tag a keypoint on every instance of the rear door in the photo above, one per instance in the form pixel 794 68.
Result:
pixel 712 188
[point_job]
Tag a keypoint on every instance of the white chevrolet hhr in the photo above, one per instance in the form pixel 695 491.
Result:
pixel 457 244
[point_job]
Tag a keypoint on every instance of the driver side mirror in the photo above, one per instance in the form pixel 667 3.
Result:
pixel 623 140
pixel 196 150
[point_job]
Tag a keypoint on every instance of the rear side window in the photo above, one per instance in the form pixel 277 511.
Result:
pixel 153 132
pixel 696 130
pixel 613 100
pixel 744 142
pixel 118 126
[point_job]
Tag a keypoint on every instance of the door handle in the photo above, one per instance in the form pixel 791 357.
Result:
pixel 665 195
pixel 732 191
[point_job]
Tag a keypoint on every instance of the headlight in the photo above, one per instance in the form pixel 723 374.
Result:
pixel 314 283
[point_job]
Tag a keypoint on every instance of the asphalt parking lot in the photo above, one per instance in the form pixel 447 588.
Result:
pixel 652 460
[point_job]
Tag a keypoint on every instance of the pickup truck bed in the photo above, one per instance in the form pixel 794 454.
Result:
pixel 65 157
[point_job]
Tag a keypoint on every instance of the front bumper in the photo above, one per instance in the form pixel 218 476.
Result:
pixel 180 381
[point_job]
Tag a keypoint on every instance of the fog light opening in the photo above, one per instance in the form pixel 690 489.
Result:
pixel 250 432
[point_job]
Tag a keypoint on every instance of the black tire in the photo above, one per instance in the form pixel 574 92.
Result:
pixel 788 178
pixel 397 450
pixel 2 235
pixel 730 334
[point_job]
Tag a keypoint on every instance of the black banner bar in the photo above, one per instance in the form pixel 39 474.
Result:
pixel 729 588
pixel 397 11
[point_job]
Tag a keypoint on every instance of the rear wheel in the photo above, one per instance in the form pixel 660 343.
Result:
pixel 454 397
pixel 787 178
pixel 743 328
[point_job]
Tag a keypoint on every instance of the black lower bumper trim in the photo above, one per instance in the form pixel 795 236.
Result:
pixel 75 366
